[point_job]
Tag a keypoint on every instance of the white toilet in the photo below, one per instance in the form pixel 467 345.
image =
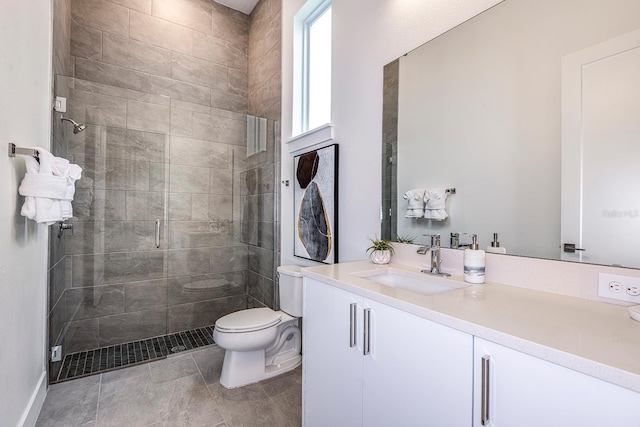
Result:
pixel 261 343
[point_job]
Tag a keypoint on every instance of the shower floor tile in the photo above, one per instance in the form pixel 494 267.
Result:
pixel 90 362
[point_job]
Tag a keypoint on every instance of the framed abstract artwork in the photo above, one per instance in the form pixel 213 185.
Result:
pixel 316 204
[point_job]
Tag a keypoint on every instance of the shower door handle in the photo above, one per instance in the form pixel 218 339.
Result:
pixel 157 233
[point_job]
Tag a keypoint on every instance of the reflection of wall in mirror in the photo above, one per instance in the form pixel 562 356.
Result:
pixel 479 110
pixel 601 130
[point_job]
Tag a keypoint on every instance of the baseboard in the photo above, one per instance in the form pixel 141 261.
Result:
pixel 32 411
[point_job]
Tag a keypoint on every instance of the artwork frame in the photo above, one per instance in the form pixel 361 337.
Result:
pixel 315 195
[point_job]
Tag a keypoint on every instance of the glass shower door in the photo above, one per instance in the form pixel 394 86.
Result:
pixel 114 265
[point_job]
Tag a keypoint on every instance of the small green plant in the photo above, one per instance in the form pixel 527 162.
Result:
pixel 405 239
pixel 380 245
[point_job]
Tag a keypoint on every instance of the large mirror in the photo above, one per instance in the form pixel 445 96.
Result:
pixel 489 109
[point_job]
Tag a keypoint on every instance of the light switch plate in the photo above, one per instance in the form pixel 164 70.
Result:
pixel 60 104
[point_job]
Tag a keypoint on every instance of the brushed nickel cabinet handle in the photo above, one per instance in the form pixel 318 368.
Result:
pixel 485 416
pixel 352 325
pixel 367 331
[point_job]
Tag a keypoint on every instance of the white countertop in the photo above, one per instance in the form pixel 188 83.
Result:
pixel 591 337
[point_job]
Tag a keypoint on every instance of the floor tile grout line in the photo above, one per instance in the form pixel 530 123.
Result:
pixel 224 421
pixel 199 370
pixel 275 402
pixel 99 395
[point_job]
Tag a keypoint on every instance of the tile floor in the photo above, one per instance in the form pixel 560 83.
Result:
pixel 182 390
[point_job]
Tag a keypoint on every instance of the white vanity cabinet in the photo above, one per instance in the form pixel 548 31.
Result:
pixel 332 370
pixel 368 364
pixel 526 391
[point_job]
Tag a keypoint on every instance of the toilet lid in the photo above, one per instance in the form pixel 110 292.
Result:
pixel 290 270
pixel 251 319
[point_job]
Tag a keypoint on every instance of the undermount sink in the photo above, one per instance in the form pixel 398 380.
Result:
pixel 420 283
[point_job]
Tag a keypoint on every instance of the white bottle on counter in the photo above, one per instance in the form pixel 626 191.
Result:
pixel 474 262
pixel 495 247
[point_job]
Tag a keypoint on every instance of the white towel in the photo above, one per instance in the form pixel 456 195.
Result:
pixel 42 189
pixel 48 187
pixel 415 203
pixel 435 204
pixel 74 174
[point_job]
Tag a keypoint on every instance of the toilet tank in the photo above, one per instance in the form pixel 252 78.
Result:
pixel 290 289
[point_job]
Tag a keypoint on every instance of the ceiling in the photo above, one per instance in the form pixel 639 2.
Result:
pixel 244 6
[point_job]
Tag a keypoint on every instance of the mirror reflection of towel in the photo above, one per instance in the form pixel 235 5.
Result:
pixel 415 203
pixel 435 204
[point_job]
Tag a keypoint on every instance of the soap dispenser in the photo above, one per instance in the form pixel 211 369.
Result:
pixel 474 262
pixel 495 247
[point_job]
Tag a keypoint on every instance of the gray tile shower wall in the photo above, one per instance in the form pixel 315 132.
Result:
pixel 163 88
pixel 259 221
pixel 260 184
pixel 390 148
pixel 265 80
pixel 61 55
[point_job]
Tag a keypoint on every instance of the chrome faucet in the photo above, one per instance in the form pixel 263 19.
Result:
pixel 435 256
pixel 455 241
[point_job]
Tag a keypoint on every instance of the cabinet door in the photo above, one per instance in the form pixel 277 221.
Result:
pixel 418 373
pixel 332 369
pixel 527 391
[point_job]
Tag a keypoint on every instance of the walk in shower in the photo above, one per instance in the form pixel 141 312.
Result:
pixel 174 225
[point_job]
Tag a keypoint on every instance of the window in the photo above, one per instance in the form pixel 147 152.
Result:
pixel 314 102
pixel 317 69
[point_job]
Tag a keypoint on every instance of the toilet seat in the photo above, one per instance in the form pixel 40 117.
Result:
pixel 243 321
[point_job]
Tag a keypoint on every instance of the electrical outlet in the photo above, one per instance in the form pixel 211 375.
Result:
pixel 56 353
pixel 633 290
pixel 622 288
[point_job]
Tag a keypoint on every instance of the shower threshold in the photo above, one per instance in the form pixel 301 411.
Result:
pixel 91 362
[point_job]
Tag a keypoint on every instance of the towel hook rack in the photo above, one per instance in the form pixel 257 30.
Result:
pixel 13 151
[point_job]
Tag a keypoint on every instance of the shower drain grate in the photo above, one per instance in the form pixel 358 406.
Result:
pixel 112 357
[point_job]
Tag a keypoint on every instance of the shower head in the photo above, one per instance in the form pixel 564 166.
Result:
pixel 77 127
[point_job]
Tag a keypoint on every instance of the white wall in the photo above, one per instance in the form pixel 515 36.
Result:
pixel 25 42
pixel 367 34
